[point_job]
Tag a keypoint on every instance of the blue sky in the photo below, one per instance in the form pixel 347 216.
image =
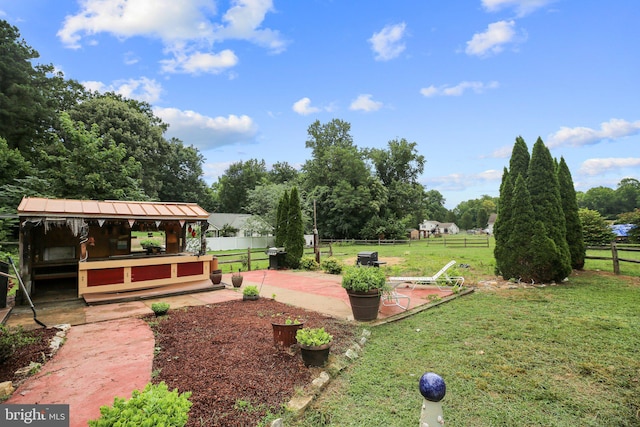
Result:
pixel 244 79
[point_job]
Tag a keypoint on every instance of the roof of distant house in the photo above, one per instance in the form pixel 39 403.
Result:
pixel 621 230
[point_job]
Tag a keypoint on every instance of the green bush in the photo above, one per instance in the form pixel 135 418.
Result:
pixel 313 337
pixel 250 291
pixel 153 407
pixel 309 263
pixel 160 308
pixel 332 265
pixel 363 279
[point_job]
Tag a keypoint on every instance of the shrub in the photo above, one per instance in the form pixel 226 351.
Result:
pixel 363 279
pixel 154 406
pixel 332 265
pixel 160 308
pixel 250 291
pixel 309 263
pixel 313 337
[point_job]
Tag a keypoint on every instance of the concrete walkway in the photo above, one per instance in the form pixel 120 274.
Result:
pixel 98 362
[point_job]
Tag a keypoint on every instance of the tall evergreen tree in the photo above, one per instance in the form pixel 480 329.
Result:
pixel 519 162
pixel 282 220
pixel 518 249
pixel 294 243
pixel 542 183
pixel 502 226
pixel 575 238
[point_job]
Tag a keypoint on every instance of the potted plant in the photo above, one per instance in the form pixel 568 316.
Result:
pixel 364 285
pixel 236 279
pixel 315 344
pixel 250 293
pixel 284 330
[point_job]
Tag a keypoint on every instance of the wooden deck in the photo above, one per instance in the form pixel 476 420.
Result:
pixel 169 290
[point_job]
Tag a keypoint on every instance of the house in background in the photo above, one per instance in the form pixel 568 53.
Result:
pixel 237 225
pixel 431 228
pixel 490 223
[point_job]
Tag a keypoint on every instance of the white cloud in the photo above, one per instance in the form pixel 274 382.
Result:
pixel 207 132
pixel 459 89
pixel 186 28
pixel 600 166
pixel 198 62
pixel 365 103
pixel 522 7
pixel 142 89
pixel 387 44
pixel 303 107
pixel 460 181
pixel 579 136
pixel 501 153
pixel 130 58
pixel 243 21
pixel 492 41
pixel 212 171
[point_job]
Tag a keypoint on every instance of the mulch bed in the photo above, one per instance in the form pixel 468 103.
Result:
pixel 225 355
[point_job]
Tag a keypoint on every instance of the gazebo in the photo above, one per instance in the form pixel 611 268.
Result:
pixel 97 244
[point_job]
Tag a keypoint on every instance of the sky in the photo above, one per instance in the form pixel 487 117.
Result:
pixel 244 79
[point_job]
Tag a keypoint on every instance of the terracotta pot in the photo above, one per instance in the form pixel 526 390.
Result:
pixel 315 356
pixel 236 280
pixel 284 335
pixel 216 276
pixel 364 305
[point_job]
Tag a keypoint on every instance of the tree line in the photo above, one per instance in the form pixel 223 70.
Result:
pixel 59 140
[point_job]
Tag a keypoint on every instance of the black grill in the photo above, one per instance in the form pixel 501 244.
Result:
pixel 276 258
pixel 367 258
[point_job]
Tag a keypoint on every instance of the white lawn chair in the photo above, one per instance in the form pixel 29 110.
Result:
pixel 391 297
pixel 441 279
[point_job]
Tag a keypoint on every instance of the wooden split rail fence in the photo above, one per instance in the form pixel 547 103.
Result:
pixel 615 258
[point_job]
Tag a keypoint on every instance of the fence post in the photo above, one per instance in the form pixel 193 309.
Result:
pixel 248 259
pixel 433 389
pixel 614 255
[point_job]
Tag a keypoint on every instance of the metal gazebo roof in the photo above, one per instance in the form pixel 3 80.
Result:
pixel 110 209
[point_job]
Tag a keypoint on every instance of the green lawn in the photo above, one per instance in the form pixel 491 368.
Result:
pixel 563 355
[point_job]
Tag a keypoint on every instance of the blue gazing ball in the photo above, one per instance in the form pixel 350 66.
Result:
pixel 432 387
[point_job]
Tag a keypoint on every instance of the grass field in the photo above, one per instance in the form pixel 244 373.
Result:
pixel 563 355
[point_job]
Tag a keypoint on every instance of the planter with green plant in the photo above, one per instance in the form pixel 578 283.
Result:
pixel 364 285
pixel 160 308
pixel 284 330
pixel 250 293
pixel 315 344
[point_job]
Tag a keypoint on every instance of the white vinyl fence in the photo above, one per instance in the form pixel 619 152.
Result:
pixel 232 243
